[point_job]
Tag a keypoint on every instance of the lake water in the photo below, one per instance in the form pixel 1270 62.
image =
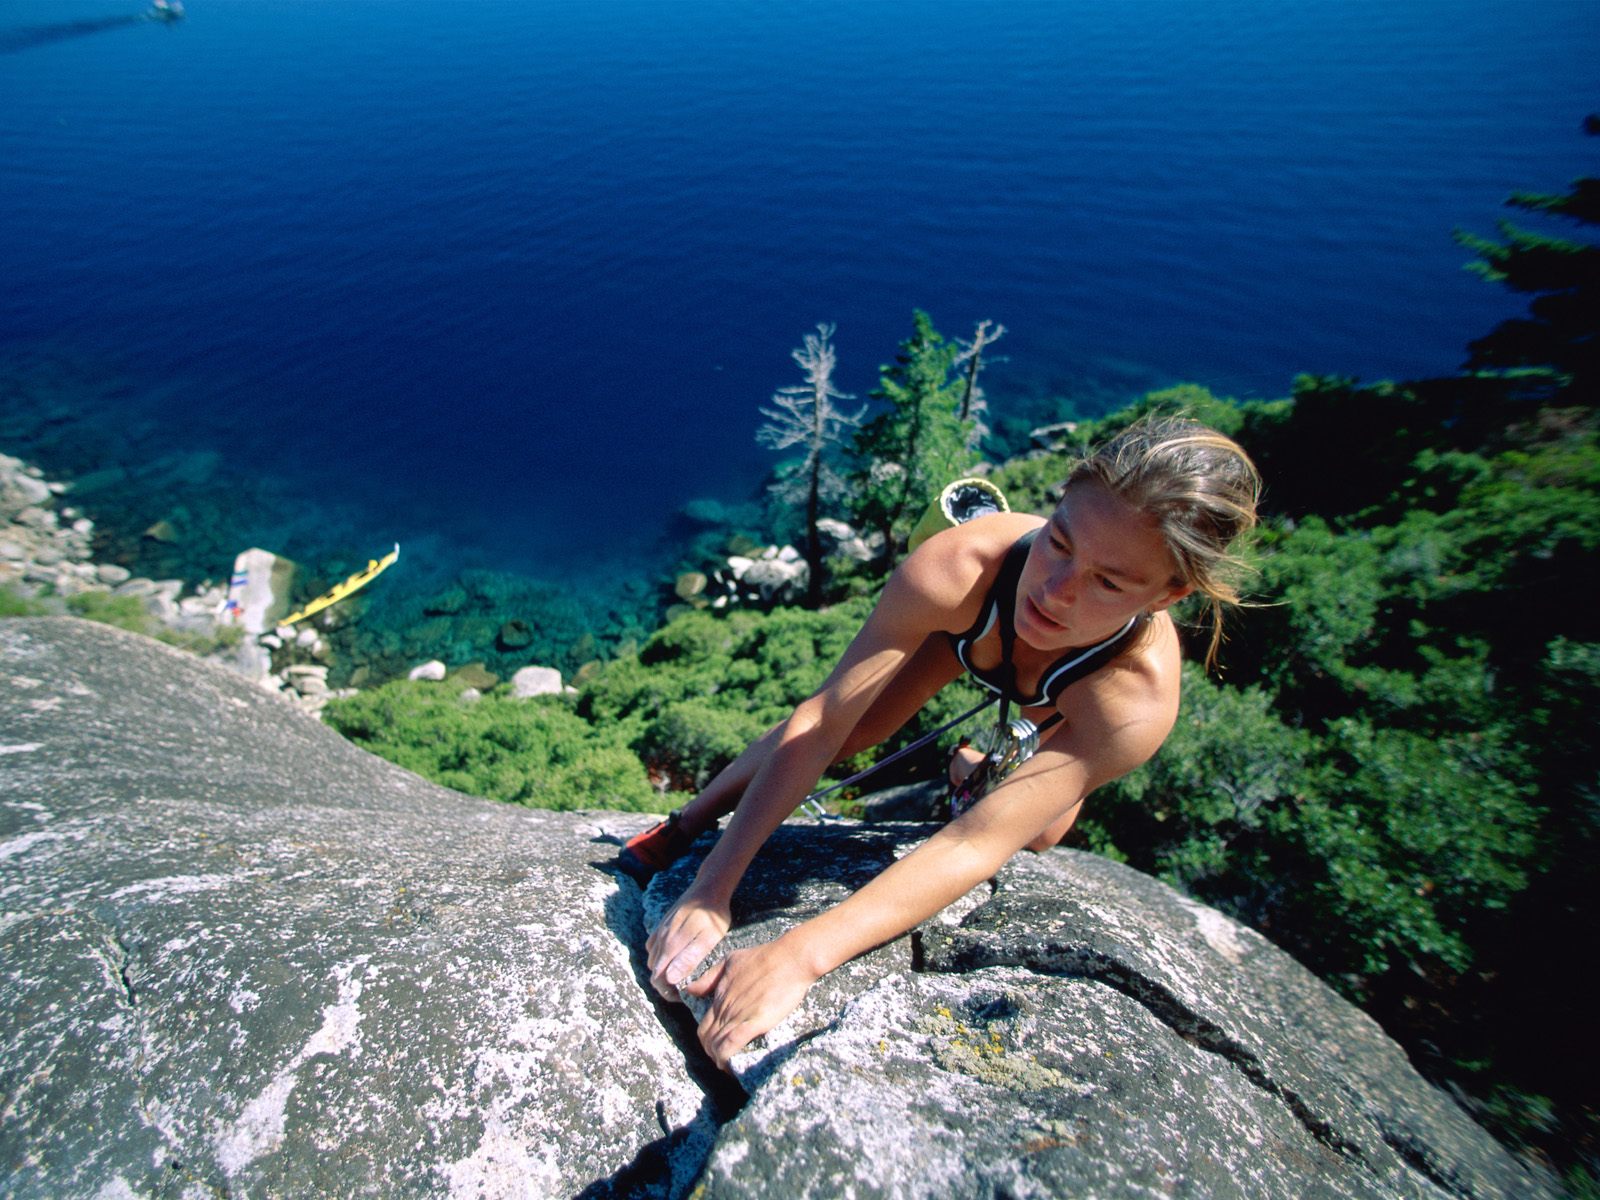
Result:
pixel 508 279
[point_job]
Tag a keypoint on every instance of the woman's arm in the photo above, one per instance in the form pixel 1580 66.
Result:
pixel 753 989
pixel 933 589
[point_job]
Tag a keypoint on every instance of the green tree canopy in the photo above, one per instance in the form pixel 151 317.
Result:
pixel 918 443
pixel 1562 274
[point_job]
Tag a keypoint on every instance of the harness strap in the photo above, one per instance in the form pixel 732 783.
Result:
pixel 812 800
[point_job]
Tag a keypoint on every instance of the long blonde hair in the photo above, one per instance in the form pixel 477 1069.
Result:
pixel 1198 486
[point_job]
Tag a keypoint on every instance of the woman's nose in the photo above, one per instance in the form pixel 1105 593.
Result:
pixel 1064 584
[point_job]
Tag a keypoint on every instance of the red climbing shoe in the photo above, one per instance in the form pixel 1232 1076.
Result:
pixel 655 849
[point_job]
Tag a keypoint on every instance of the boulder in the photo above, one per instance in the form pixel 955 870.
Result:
pixel 536 681
pixel 1084 1030
pixel 840 539
pixel 776 580
pixel 19 491
pixel 241 956
pixel 433 671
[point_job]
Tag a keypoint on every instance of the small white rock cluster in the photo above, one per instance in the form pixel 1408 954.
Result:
pixel 303 684
pixel 525 684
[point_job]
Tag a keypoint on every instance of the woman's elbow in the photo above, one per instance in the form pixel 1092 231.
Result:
pixel 1054 832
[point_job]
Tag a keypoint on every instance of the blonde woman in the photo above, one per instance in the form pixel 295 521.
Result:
pixel 1065 617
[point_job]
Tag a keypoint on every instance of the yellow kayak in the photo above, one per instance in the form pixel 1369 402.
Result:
pixel 338 592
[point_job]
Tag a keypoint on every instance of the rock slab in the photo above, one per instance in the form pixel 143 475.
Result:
pixel 241 957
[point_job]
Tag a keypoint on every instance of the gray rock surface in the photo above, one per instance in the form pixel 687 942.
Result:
pixel 239 956
pixel 1084 1030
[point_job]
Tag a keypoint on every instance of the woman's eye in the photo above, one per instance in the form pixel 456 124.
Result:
pixel 1108 585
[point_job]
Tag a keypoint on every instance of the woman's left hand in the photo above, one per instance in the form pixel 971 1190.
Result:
pixel 751 990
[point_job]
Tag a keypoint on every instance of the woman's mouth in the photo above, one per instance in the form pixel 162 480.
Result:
pixel 1041 617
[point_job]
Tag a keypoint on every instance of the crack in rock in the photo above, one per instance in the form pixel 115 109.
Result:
pixel 1416 1158
pixel 1161 1003
pixel 118 959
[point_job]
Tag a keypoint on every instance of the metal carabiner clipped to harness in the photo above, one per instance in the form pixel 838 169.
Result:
pixel 1005 746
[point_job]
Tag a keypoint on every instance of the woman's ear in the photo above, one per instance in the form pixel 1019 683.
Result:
pixel 1171 597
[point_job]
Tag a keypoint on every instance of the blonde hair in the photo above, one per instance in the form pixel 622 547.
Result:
pixel 1201 490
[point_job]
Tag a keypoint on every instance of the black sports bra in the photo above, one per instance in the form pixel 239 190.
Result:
pixel 1000 606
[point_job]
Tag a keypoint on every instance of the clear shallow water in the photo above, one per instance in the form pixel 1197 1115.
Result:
pixel 508 279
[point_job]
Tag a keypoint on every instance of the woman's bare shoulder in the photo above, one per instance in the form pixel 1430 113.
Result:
pixel 957 564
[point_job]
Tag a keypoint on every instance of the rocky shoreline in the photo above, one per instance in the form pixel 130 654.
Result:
pixel 47 566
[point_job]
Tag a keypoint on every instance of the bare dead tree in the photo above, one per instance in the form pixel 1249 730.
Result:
pixel 972 401
pixel 807 415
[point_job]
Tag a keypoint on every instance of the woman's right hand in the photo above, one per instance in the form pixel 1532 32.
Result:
pixel 680 943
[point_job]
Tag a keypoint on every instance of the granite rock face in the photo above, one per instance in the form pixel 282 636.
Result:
pixel 1086 1031
pixel 239 956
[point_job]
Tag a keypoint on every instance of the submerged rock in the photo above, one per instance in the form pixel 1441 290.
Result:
pixel 515 634
pixel 475 675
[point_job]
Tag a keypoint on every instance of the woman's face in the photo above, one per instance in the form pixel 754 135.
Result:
pixel 1096 563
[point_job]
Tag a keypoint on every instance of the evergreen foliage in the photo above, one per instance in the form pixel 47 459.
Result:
pixel 534 752
pixel 1557 336
pixel 917 444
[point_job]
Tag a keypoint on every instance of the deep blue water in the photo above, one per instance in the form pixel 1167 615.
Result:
pixel 516 274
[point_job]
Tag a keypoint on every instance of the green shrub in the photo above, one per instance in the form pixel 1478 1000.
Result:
pixel 125 612
pixel 14 604
pixel 534 752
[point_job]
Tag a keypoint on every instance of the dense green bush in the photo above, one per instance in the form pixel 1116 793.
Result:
pixel 14 604
pixel 535 752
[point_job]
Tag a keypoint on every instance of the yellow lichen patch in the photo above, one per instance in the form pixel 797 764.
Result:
pixel 986 1055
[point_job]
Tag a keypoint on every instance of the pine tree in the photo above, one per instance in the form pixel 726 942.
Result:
pixel 807 415
pixel 1560 336
pixel 909 451
pixel 974 406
